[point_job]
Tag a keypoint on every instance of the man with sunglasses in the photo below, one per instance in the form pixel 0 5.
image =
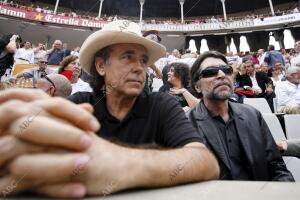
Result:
pixel 235 133
pixel 37 73
pixel 55 85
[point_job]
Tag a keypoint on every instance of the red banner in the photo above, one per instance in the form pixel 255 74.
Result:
pixel 48 18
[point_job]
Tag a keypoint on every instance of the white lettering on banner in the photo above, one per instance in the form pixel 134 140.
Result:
pixel 59 20
pixel 12 12
pixel 277 19
pixel 88 23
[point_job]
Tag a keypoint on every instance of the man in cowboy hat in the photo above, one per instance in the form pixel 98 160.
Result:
pixel 148 140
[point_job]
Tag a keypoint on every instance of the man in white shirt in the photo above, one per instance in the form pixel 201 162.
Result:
pixel 295 61
pixel 39 52
pixel 288 92
pixel 25 55
pixel 261 56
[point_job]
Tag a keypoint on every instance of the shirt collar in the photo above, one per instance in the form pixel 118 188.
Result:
pixel 139 110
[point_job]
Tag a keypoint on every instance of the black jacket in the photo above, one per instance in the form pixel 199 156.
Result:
pixel 264 160
pixel 262 80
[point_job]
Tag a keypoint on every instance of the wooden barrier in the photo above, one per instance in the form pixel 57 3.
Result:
pixel 19 68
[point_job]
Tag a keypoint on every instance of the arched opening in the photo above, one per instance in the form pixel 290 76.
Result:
pixel 244 46
pixel 288 40
pixel 272 41
pixel 204 47
pixel 192 46
pixel 232 47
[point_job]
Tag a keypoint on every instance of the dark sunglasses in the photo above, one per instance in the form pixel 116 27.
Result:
pixel 43 62
pixel 214 70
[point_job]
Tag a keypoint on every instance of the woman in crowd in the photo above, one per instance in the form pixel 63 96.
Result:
pixel 239 92
pixel 71 68
pixel 254 58
pixel 179 77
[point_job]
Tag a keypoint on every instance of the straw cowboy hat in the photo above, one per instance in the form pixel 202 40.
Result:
pixel 116 32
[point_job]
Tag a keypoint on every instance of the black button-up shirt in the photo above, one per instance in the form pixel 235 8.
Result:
pixel 232 145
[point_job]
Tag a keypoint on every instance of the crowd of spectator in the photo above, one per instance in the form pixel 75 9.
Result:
pixel 192 20
pixel 39 56
pixel 198 107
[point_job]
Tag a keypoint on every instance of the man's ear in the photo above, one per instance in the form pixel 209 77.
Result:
pixel 197 88
pixel 51 91
pixel 100 66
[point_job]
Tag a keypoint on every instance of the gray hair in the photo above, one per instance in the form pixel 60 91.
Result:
pixel 62 84
pixel 292 70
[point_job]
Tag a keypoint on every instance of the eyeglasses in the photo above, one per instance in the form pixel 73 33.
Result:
pixel 43 62
pixel 214 70
pixel 49 80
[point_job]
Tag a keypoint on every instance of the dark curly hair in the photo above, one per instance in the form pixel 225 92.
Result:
pixel 97 81
pixel 182 72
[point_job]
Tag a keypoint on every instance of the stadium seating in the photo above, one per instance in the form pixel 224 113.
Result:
pixel 292 126
pixel 274 126
pixel 260 104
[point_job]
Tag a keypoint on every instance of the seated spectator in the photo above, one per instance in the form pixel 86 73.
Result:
pixel 261 55
pixel 36 73
pixel 72 70
pixel 166 85
pixel 174 56
pixel 25 55
pixel 258 83
pixel 288 92
pixel 254 58
pixel 75 51
pixel 295 60
pixel 239 92
pixel 179 77
pixel 276 72
pixel 56 53
pixel 232 58
pixel 264 68
pixel 257 67
pixel 55 85
pixel 236 133
pixel 153 127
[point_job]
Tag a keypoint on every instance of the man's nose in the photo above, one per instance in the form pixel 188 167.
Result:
pixel 138 66
pixel 221 74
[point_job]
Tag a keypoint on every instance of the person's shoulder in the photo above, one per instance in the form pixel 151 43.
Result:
pixel 262 74
pixel 244 109
pixel 162 96
pixel 82 97
pixel 162 100
pixel 243 76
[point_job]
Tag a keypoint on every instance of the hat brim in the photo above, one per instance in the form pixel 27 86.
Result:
pixel 102 39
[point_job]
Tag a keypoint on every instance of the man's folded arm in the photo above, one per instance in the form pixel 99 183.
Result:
pixel 161 168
